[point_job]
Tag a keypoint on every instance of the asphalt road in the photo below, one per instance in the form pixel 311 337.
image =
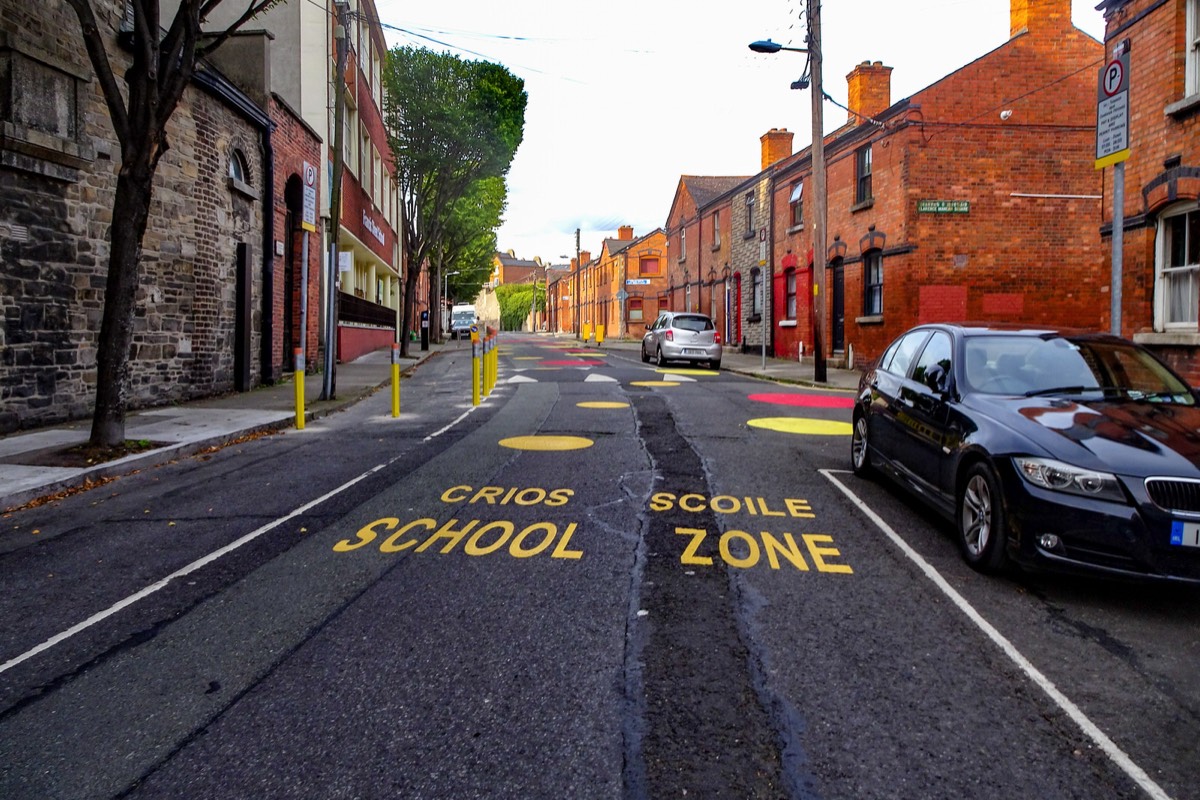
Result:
pixel 606 581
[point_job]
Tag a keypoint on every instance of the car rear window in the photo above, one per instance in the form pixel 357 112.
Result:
pixel 693 323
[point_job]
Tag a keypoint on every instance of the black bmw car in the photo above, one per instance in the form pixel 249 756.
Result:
pixel 1050 448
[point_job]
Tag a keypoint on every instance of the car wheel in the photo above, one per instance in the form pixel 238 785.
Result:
pixel 658 357
pixel 982 531
pixel 860 456
pixel 645 355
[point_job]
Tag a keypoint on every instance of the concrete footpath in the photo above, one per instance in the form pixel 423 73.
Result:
pixel 190 427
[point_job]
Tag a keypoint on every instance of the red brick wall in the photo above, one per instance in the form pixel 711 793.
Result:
pixel 294 144
pixel 1163 126
pixel 1019 253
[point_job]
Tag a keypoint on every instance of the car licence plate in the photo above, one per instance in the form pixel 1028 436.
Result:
pixel 1185 534
pixel 692 351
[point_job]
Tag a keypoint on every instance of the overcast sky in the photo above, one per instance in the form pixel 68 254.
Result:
pixel 626 96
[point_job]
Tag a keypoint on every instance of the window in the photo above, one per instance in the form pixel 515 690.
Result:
pixel 899 356
pixel 756 292
pixel 1178 259
pixel 862 169
pixel 687 297
pixel 936 353
pixel 873 283
pixel 237 167
pixel 635 309
pixel 1192 79
pixel 749 214
pixel 682 244
pixel 648 266
pixel 350 137
pixel 796 203
pixel 364 164
pixel 377 177
pixel 716 229
pixel 789 282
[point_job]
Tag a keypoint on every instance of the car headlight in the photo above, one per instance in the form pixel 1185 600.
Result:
pixel 1061 477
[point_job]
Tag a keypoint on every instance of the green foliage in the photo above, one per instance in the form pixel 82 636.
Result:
pixel 453 125
pixel 469 242
pixel 515 300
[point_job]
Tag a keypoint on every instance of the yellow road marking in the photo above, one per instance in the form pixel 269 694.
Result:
pixel 655 383
pixel 601 404
pixel 546 443
pixel 807 427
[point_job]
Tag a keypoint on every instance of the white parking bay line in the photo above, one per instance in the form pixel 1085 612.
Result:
pixel 1119 756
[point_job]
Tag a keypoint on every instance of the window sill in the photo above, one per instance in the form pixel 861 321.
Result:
pixel 244 189
pixel 795 228
pixel 865 204
pixel 1181 338
pixel 787 323
pixel 1183 108
pixel 874 319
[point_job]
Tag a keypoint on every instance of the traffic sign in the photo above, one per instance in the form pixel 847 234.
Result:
pixel 1112 112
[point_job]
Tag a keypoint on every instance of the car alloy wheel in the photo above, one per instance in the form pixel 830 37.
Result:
pixel 860 458
pixel 981 526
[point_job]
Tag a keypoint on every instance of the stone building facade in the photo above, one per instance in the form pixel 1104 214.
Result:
pixel 200 306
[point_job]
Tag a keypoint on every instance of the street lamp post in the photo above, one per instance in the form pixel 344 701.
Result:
pixel 818 170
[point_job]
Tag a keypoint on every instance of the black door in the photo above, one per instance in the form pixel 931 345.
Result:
pixel 839 307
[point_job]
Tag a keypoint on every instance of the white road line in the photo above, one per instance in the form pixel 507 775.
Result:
pixel 190 568
pixel 1109 747
pixel 457 420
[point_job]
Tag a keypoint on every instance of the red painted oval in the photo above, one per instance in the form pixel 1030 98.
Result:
pixel 804 400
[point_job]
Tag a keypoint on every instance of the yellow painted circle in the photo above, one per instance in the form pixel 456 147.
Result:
pixel 654 383
pixel 806 427
pixel 686 371
pixel 546 442
pixel 601 404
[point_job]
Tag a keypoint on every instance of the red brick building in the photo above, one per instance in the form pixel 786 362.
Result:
pixel 635 266
pixel 700 241
pixel 973 199
pixel 1161 243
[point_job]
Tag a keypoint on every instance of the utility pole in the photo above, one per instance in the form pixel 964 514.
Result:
pixel 335 201
pixel 818 167
pixel 578 281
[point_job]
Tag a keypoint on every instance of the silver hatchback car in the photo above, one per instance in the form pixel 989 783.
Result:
pixel 682 336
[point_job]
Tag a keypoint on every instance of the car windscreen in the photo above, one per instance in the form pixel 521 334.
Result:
pixel 692 323
pixel 1034 365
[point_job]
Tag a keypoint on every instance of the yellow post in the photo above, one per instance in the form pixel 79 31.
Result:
pixel 599 335
pixel 587 331
pixel 298 379
pixel 395 379
pixel 487 366
pixel 474 366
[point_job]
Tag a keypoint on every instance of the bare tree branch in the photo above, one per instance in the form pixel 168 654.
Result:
pixel 102 66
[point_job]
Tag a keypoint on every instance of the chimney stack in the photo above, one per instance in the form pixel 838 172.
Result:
pixel 776 146
pixel 870 90
pixel 625 232
pixel 1037 15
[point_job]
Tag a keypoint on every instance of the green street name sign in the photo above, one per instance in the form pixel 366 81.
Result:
pixel 944 206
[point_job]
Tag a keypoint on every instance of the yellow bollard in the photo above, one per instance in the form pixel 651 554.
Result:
pixel 298 378
pixel 475 370
pixel 487 365
pixel 599 335
pixel 587 331
pixel 395 379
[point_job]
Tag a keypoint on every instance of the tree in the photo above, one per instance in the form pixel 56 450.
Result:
pixel 468 243
pixel 450 123
pixel 139 107
pixel 516 301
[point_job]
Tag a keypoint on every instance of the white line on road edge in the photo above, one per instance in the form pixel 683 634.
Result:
pixel 1073 711
pixel 190 568
pixel 460 418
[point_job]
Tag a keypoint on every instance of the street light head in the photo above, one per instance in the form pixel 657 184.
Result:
pixel 801 83
pixel 766 46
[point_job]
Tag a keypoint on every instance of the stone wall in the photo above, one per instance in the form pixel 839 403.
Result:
pixel 58 164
